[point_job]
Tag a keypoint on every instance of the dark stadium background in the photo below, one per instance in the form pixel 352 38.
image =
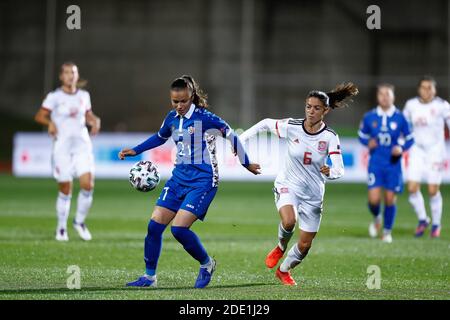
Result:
pixel 255 58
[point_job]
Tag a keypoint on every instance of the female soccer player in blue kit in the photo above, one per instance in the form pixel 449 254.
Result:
pixel 188 193
pixel 381 130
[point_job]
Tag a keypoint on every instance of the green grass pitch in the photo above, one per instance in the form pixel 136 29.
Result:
pixel 239 230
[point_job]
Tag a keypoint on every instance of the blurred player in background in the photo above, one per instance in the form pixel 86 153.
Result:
pixel 189 192
pixel 65 112
pixel 385 131
pixel 427 115
pixel 300 187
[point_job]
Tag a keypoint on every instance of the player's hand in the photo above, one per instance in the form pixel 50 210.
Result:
pixel 372 143
pixel 254 168
pixel 397 151
pixel 52 131
pixel 95 129
pixel 126 153
pixel 325 170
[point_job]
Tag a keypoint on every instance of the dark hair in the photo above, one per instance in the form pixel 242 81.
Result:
pixel 427 78
pixel 200 98
pixel 81 83
pixel 385 85
pixel 336 97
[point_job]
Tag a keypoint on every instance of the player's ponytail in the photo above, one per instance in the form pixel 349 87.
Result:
pixel 200 98
pixel 341 93
pixel 336 98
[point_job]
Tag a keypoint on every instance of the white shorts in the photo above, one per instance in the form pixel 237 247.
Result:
pixel 309 215
pixel 72 158
pixel 425 166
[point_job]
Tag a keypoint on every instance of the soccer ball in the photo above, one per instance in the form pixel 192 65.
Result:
pixel 144 176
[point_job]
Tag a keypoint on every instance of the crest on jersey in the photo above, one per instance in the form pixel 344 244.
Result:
pixel 322 146
pixel 191 130
pixel 393 125
pixel 374 124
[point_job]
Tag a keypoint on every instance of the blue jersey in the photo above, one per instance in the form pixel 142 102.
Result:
pixel 389 129
pixel 195 136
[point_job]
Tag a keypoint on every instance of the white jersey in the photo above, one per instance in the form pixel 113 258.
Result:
pixel 68 112
pixel 427 121
pixel 307 153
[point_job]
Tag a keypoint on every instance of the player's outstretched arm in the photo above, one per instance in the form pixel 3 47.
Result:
pixel 262 126
pixel 238 149
pixel 152 142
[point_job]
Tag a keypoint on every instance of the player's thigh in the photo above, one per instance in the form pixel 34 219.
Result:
pixel 434 175
pixel 83 162
pixel 288 216
pixel 197 200
pixel 163 215
pixel 305 240
pixel 62 166
pixel 374 195
pixel 310 217
pixel 65 187
pixel 433 189
pixel 286 203
pixel 87 181
pixel 390 197
pixel 375 177
pixel 184 218
pixel 393 180
pixel 169 197
pixel 417 166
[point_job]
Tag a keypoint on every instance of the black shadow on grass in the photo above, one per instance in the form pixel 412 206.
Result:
pixel 93 289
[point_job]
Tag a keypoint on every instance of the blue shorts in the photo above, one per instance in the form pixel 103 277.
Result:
pixel 389 177
pixel 196 200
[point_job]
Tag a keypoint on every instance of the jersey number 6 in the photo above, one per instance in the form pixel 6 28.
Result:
pixel 307 158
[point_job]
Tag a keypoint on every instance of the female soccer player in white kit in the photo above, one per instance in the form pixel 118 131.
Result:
pixel 66 111
pixel 427 115
pixel 299 188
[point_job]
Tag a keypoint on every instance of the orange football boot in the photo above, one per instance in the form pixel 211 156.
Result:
pixel 285 278
pixel 273 257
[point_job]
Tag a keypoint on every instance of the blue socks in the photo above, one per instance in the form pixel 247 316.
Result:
pixel 389 216
pixel 191 243
pixel 153 245
pixel 374 209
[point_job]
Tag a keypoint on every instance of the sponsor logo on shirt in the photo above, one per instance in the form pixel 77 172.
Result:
pixel 284 190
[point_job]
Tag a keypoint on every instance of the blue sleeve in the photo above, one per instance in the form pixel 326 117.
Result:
pixel 157 139
pixel 165 131
pixel 407 134
pixel 152 142
pixel 215 122
pixel 364 130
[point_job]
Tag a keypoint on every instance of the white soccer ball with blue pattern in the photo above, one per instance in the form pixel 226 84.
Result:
pixel 144 176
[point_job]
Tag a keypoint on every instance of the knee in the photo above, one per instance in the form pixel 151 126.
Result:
pixel 65 188
pixel 413 188
pixel 288 224
pixel 433 191
pixel 304 246
pixel 88 186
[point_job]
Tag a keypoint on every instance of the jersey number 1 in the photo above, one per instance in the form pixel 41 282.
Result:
pixel 307 158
